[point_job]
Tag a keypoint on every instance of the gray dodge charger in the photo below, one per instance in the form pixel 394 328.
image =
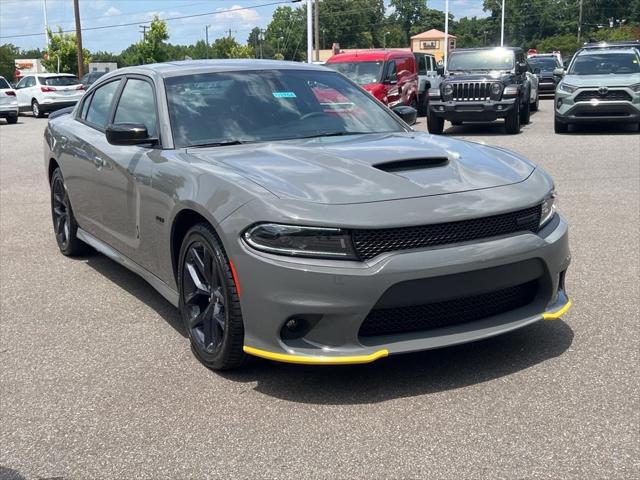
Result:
pixel 291 216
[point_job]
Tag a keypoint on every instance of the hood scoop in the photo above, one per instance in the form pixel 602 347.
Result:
pixel 410 164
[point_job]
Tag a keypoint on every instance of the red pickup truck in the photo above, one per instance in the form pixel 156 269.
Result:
pixel 389 75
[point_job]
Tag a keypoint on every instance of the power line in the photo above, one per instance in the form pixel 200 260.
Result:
pixel 216 12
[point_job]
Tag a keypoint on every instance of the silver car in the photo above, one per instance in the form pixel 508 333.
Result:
pixel 602 85
pixel 291 216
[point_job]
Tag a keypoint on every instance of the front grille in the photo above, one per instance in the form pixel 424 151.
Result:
pixel 370 243
pixel 471 91
pixel 430 316
pixel 611 95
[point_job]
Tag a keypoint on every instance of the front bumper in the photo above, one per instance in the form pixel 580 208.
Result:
pixel 337 296
pixel 546 86
pixel 472 111
pixel 587 112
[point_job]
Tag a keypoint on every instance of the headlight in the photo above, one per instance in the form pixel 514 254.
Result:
pixel 447 89
pixel 636 87
pixel 565 87
pixel 548 209
pixel 301 241
pixel 511 91
pixel 496 90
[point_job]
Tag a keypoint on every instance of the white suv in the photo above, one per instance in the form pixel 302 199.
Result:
pixel 8 102
pixel 46 92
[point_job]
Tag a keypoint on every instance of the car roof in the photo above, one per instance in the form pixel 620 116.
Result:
pixel 370 55
pixel 47 75
pixel 187 67
pixel 513 49
pixel 595 51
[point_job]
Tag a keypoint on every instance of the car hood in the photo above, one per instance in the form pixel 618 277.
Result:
pixel 480 76
pixel 602 80
pixel 369 168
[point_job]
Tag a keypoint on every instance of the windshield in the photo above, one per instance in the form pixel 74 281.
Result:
pixel 605 63
pixel 3 83
pixel 543 63
pixel 60 81
pixel 497 59
pixel 361 73
pixel 254 106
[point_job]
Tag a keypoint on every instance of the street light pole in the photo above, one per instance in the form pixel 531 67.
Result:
pixel 502 28
pixel 384 39
pixel 316 28
pixel 206 39
pixel 309 31
pixel 46 22
pixel 579 22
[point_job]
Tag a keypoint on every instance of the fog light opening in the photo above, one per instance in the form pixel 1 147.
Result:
pixel 297 326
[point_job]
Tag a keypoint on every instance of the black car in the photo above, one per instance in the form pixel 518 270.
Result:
pixel 91 77
pixel 483 84
pixel 543 67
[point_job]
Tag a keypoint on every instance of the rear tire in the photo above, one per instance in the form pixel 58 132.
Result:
pixel 435 124
pixel 560 127
pixel 536 105
pixel 512 120
pixel 423 105
pixel 209 300
pixel 12 120
pixel 35 109
pixel 65 226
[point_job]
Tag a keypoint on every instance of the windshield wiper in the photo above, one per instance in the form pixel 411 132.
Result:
pixel 331 134
pixel 218 144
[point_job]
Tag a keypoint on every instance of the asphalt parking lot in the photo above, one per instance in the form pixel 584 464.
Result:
pixel 97 379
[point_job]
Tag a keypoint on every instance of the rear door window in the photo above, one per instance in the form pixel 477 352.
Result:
pixel 100 106
pixel 391 74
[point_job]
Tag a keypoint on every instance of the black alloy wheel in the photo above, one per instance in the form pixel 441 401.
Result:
pixel 64 222
pixel 209 301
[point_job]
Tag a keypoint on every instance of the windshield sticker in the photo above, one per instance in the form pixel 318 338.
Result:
pixel 284 94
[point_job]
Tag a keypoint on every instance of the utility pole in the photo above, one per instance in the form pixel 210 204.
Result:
pixel 316 28
pixel 76 11
pixel 446 34
pixel 206 39
pixel 502 28
pixel 229 33
pixel 309 32
pixel 46 23
pixel 579 22
pixel 144 31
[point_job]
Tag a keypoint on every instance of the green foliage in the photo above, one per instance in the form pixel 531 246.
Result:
pixel 63 51
pixel 566 44
pixel 616 34
pixel 8 54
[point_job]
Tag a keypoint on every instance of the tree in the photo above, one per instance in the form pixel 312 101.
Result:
pixel 8 54
pixel 62 53
pixel 152 47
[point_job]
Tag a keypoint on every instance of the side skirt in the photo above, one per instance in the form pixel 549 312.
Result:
pixel 163 289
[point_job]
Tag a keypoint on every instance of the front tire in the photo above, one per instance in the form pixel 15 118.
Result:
pixel 423 105
pixel 512 120
pixel 12 120
pixel 209 301
pixel 35 109
pixel 560 127
pixel 536 105
pixel 525 113
pixel 65 226
pixel 435 124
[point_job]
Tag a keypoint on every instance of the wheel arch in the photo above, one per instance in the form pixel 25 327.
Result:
pixel 183 220
pixel 53 164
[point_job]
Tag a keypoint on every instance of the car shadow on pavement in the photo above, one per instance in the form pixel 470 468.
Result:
pixel 137 287
pixel 410 375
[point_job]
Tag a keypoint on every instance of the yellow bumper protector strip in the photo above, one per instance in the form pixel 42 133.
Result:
pixel 316 360
pixel 557 313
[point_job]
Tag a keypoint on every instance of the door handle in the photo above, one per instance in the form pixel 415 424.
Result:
pixel 98 162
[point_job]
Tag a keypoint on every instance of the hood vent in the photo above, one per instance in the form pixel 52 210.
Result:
pixel 412 164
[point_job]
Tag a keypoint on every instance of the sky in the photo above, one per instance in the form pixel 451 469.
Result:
pixel 19 17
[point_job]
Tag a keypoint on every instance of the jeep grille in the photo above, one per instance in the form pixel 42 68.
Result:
pixel 471 91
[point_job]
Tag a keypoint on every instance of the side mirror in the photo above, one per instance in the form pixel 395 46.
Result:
pixel 407 114
pixel 440 70
pixel 558 72
pixel 536 70
pixel 128 134
pixel 520 68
